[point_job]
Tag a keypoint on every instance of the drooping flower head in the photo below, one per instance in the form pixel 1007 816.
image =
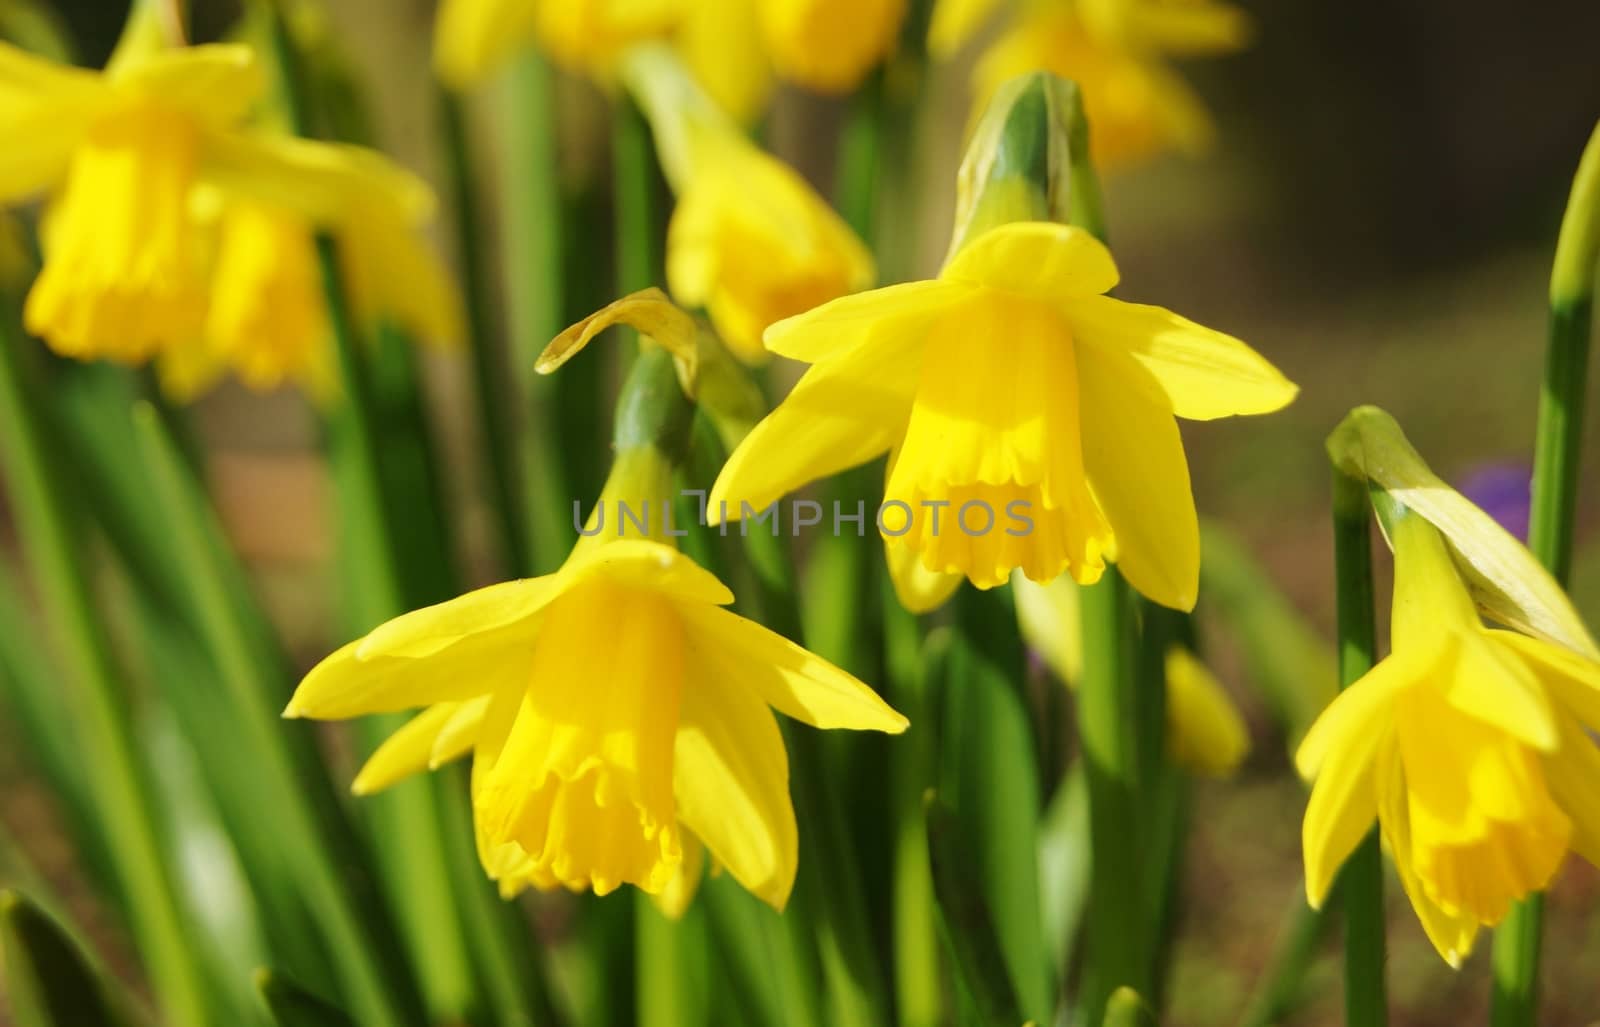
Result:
pixel 1028 419
pixel 176 230
pixel 617 716
pixel 1471 743
pixel 1011 388
pixel 749 240
pixel 124 270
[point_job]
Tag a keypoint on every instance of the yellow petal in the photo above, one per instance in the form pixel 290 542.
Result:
pixel 954 22
pixel 1039 259
pixel 1203 373
pixel 343 685
pixel 731 779
pixel 423 632
pixel 1573 680
pixel 918 589
pixel 1360 709
pixel 45 109
pixel 1571 775
pixel 744 655
pixel 1205 733
pixel 329 184
pixel 650 312
pixel 1140 477
pixel 216 83
pixel 1451 934
pixel 407 751
pixel 844 411
pixel 876 317
pixel 1506 582
pixel 1344 802
pixel 1500 691
pixel 641 563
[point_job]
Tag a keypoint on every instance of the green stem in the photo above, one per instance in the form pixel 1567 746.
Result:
pixel 489 364
pixel 1361 881
pixel 1108 719
pixel 535 275
pixel 1553 511
pixel 46 522
pixel 1281 984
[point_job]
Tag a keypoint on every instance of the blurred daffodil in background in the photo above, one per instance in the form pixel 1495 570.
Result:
pixel 735 48
pixel 1012 385
pixel 1118 51
pixel 172 229
pixel 749 239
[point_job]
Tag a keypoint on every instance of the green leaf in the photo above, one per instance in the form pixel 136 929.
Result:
pixel 293 1006
pixel 966 922
pixel 49 980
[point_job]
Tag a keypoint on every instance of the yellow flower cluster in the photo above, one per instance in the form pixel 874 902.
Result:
pixel 734 47
pixel 172 231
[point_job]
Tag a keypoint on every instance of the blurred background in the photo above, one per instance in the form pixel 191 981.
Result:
pixel 1378 218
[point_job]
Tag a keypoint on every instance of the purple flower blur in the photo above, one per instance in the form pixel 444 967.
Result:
pixel 1504 491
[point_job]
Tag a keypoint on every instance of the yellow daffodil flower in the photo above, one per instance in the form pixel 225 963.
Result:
pixel 749 240
pixel 612 710
pixel 1469 745
pixel 829 45
pixel 170 230
pixel 472 37
pixel 1205 733
pixel 1115 50
pixel 124 269
pixel 1008 385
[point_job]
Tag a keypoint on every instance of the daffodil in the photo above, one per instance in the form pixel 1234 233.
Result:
pixel 1116 50
pixel 1205 733
pixel 749 239
pixel 829 45
pixel 1469 745
pixel 1029 419
pixel 473 36
pixel 172 230
pixel 612 709
pixel 124 269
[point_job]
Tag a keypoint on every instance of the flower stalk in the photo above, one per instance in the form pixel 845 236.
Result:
pixel 1552 514
pixel 1361 881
